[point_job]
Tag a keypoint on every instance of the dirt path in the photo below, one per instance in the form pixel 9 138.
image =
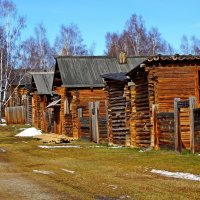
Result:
pixel 13 186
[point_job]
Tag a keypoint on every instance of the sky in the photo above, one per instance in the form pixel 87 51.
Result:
pixel 95 18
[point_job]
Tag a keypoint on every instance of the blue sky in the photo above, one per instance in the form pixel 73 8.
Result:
pixel 173 18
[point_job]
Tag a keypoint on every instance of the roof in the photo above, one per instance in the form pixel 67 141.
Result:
pixel 172 58
pixel 85 71
pixel 166 59
pixel 116 76
pixel 43 81
pixel 53 103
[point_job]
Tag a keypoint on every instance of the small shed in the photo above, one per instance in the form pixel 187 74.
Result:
pixel 42 117
pixel 162 114
pixel 78 84
pixel 155 105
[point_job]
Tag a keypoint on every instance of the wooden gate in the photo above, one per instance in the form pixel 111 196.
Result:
pixel 94 126
pixel 178 104
pixel 15 115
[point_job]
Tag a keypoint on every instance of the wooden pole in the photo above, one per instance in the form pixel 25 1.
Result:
pixel 97 120
pixel 107 119
pixel 91 105
pixel 192 103
pixel 177 134
pixel 154 136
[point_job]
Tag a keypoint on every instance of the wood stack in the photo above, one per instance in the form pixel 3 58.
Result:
pixel 118 120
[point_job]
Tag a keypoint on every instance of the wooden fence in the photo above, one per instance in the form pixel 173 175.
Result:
pixel 170 135
pixel 165 129
pixel 197 130
pixel 15 115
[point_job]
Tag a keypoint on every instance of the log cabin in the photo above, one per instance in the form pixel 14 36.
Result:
pixel 150 98
pixel 78 85
pixel 41 98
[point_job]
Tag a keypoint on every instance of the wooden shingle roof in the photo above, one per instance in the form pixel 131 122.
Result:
pixel 86 71
pixel 43 82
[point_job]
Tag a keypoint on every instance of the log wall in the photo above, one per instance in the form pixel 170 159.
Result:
pixel 177 82
pixel 140 123
pixel 118 112
pixel 71 101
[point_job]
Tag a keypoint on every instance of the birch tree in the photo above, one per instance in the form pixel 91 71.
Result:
pixel 70 42
pixel 11 25
pixel 37 52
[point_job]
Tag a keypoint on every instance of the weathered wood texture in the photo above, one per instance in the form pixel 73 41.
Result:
pixel 41 116
pixel 72 102
pixel 15 115
pixel 118 97
pixel 177 82
pixel 19 97
pixel 197 130
pixel 140 116
pixel 165 128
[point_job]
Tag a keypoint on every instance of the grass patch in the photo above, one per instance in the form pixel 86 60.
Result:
pixel 100 172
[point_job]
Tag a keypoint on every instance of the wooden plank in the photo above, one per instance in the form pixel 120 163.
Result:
pixel 178 145
pixel 192 102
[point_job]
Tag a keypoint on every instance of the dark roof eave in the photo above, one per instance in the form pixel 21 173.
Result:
pixel 45 93
pixel 84 86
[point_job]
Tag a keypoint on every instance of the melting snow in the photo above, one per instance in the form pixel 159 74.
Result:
pixel 3 120
pixel 29 132
pixel 2 150
pixel 180 175
pixel 57 147
pixel 3 124
pixel 69 171
pixel 42 171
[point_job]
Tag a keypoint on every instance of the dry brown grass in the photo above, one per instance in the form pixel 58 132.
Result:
pixel 100 173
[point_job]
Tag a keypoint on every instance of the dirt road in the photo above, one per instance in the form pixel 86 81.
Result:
pixel 14 186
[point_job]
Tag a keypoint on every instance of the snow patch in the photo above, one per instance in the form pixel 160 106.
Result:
pixel 3 124
pixel 68 171
pixel 57 147
pixel 29 132
pixel 42 171
pixel 3 120
pixel 114 187
pixel 115 147
pixel 179 175
pixel 2 150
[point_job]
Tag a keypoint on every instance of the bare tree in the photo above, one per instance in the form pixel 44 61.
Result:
pixel 191 46
pixel 11 25
pixel 36 52
pixel 185 46
pixel 136 40
pixel 195 45
pixel 70 42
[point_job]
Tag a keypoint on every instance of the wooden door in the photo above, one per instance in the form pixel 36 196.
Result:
pixel 57 122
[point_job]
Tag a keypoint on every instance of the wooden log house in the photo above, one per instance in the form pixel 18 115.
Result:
pixel 41 98
pixel 149 112
pixel 78 84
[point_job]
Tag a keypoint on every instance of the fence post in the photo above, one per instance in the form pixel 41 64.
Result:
pixel 97 120
pixel 91 105
pixel 178 144
pixel 192 103
pixel 154 134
